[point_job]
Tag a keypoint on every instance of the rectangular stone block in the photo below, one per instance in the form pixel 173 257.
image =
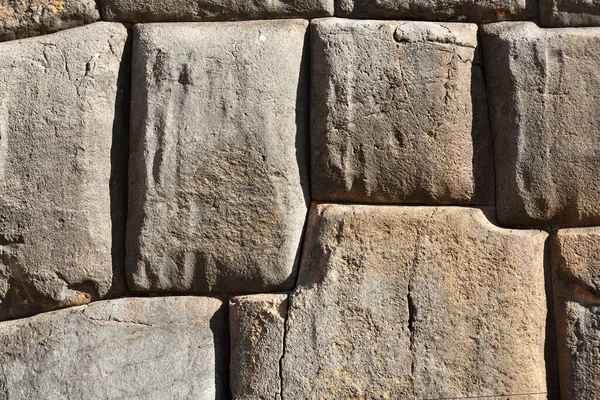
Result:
pixel 63 168
pixel 257 330
pixel 543 87
pixel 415 303
pixel 440 10
pixel 24 18
pixel 558 13
pixel 576 283
pixel 160 348
pixel 212 10
pixel 399 113
pixel 219 158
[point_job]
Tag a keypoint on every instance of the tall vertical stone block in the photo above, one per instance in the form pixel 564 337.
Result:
pixel 218 166
pixel 576 279
pixel 543 87
pixel 212 10
pixel 399 113
pixel 63 156
pixel 415 303
pixel 24 18
pixel 440 10
pixel 160 348
pixel 257 332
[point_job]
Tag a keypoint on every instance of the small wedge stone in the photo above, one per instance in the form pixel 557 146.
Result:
pixel 257 330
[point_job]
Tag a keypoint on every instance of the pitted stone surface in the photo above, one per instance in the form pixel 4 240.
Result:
pixel 399 113
pixel 415 302
pixel 557 13
pixel 161 348
pixel 544 108
pixel 212 10
pixel 218 165
pixel 257 329
pixel 23 18
pixel 63 159
pixel 576 278
pixel 440 10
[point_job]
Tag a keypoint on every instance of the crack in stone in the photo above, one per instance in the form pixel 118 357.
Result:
pixel 285 331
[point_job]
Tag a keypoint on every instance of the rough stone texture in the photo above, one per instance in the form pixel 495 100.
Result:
pixel 440 10
pixel 399 113
pixel 257 329
pixel 415 303
pixel 544 109
pixel 556 13
pixel 576 278
pixel 161 348
pixel 63 155
pixel 212 10
pixel 218 180
pixel 23 18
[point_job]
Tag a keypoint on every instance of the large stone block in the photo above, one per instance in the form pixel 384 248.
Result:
pixel 415 303
pixel 399 113
pixel 544 100
pixel 218 166
pixel 440 10
pixel 23 18
pixel 556 13
pixel 576 278
pixel 212 10
pixel 257 330
pixel 160 348
pixel 63 160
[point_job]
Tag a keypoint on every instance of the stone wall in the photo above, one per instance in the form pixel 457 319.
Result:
pixel 299 199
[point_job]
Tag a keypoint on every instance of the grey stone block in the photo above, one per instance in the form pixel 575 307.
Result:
pixel 399 113
pixel 544 113
pixel 440 10
pixel 63 160
pixel 560 13
pixel 160 348
pixel 415 303
pixel 218 165
pixel 257 329
pixel 24 18
pixel 212 10
pixel 576 279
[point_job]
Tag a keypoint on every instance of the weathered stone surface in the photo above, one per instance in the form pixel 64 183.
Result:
pixel 415 303
pixel 399 113
pixel 160 348
pixel 23 18
pixel 556 13
pixel 257 329
pixel 63 156
pixel 440 10
pixel 576 278
pixel 212 10
pixel 544 108
pixel 218 165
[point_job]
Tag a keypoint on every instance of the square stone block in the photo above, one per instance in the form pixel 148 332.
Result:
pixel 399 113
pixel 544 106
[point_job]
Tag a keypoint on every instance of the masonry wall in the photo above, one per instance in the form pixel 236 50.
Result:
pixel 299 199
